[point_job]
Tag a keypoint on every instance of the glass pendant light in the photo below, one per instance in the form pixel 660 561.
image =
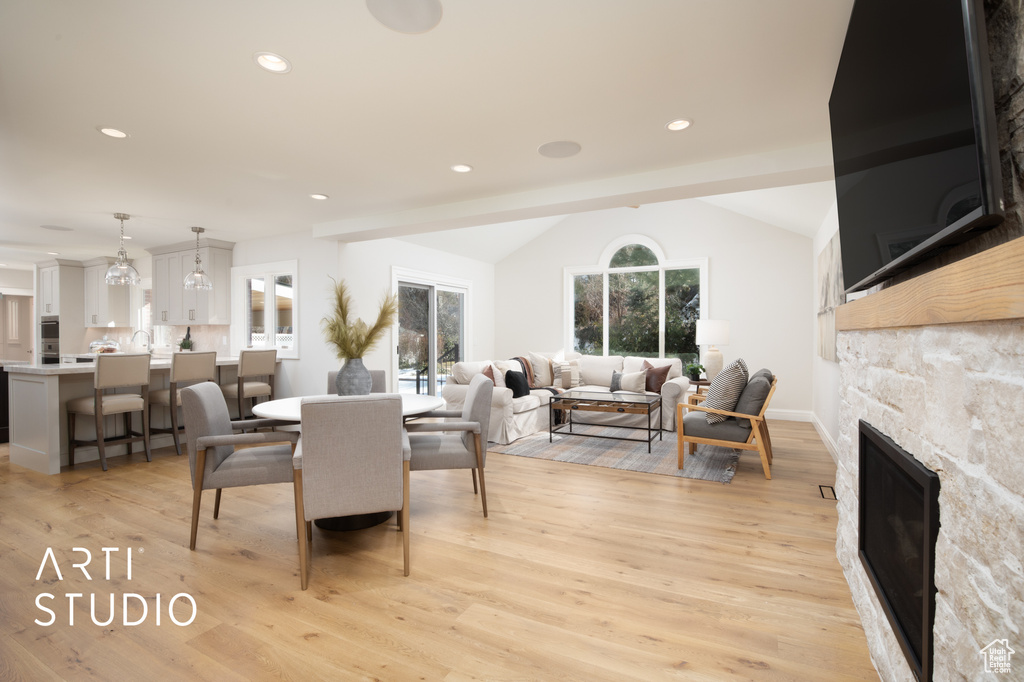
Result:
pixel 197 279
pixel 121 273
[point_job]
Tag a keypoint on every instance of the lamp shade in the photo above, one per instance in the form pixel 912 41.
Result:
pixel 712 332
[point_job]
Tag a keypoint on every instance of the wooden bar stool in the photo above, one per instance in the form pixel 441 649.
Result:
pixel 186 368
pixel 253 365
pixel 112 372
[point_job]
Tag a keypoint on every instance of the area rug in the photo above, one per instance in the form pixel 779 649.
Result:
pixel 710 463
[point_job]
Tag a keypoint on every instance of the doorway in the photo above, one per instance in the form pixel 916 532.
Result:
pixel 431 333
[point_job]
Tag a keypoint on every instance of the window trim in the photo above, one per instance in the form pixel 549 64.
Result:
pixel 268 271
pixel 602 268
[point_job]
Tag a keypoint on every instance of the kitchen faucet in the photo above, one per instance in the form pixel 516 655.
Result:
pixel 149 340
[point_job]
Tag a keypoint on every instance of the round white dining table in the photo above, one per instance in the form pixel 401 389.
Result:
pixel 290 409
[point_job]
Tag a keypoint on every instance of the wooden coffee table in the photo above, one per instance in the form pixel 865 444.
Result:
pixel 572 403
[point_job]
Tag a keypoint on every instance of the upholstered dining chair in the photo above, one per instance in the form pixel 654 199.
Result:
pixel 352 458
pixel 113 372
pixel 256 370
pixel 186 368
pixel 459 444
pixel 377 376
pixel 214 461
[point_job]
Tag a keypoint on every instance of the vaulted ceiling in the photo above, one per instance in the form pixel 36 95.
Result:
pixel 375 118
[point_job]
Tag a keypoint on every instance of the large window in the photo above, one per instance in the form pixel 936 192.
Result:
pixel 634 302
pixel 267 307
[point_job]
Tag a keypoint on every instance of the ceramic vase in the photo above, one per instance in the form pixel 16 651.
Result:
pixel 354 378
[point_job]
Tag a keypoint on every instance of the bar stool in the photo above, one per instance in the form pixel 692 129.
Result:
pixel 114 371
pixel 252 364
pixel 186 369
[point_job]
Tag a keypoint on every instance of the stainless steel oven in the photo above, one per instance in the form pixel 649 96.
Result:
pixel 49 340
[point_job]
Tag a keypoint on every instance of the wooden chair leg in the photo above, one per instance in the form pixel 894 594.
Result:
pixel 127 419
pixel 767 440
pixel 216 504
pixel 762 450
pixel 480 469
pixel 301 529
pixel 99 440
pixel 197 494
pixel 145 433
pixel 473 471
pixel 404 515
pixel 71 439
pixel 174 425
pixel 680 452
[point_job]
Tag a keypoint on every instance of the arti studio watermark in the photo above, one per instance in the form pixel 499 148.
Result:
pixel 103 606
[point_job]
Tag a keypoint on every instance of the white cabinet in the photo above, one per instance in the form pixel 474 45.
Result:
pixel 172 303
pixel 49 288
pixel 105 305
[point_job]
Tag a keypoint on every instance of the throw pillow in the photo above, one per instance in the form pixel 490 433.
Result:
pixel 489 373
pixel 752 398
pixel 499 376
pixel 725 390
pixel 656 376
pixel 542 375
pixel 634 382
pixel 518 383
pixel 565 374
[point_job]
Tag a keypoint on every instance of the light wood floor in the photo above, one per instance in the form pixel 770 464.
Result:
pixel 580 573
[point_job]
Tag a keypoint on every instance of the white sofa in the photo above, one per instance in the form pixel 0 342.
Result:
pixel 513 418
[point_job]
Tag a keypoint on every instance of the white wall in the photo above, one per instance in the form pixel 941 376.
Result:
pixel 760 279
pixel 825 374
pixel 366 269
pixel 16 280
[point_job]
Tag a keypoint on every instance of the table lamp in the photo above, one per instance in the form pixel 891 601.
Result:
pixel 712 333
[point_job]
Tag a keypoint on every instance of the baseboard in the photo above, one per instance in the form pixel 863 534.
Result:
pixel 826 438
pixel 789 415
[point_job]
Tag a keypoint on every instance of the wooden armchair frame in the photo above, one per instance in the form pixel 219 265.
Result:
pixel 758 440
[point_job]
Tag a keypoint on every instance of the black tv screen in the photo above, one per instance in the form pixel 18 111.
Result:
pixel 913 142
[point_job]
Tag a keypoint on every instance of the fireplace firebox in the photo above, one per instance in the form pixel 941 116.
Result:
pixel 899 523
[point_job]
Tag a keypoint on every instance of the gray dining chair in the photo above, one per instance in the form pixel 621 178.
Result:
pixel 253 367
pixel 352 458
pixel 457 444
pixel 213 460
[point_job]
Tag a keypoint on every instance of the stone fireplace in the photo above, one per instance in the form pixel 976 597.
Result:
pixel 953 396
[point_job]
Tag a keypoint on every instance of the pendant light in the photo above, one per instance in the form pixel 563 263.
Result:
pixel 121 273
pixel 197 279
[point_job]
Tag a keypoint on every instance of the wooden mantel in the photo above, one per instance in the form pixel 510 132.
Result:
pixel 984 287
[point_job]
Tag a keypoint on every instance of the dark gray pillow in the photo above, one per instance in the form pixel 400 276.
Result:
pixel 766 373
pixel 518 382
pixel 752 398
pixel 616 384
pixel 725 390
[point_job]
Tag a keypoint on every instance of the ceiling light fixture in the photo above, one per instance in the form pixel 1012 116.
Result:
pixel 319 197
pixel 121 273
pixel 678 124
pixel 53 253
pixel 113 132
pixel 560 149
pixel 197 279
pixel 274 63
pixel 461 168
pixel 406 16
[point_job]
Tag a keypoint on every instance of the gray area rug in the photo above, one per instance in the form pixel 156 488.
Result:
pixel 710 463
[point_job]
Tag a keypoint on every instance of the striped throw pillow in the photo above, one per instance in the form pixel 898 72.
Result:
pixel 725 390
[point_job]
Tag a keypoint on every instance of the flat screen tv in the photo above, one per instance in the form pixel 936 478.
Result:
pixel 913 135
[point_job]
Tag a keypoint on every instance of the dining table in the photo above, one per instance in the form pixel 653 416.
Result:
pixel 290 409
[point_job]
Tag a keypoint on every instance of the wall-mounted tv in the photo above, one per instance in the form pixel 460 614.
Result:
pixel 913 135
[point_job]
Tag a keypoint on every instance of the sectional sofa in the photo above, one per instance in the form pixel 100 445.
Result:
pixel 515 417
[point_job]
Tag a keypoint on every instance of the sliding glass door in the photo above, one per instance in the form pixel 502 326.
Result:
pixel 431 334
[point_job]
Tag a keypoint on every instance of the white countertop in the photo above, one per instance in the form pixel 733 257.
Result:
pixel 89 367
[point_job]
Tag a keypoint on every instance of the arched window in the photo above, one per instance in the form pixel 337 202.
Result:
pixel 635 302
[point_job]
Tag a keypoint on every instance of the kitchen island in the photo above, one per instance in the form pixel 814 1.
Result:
pixel 38 415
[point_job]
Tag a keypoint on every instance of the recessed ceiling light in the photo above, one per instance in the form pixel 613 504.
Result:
pixel 559 149
pixel 273 63
pixel 127 237
pixel 461 168
pixel 320 197
pixel 52 253
pixel 406 16
pixel 113 132
pixel 678 124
